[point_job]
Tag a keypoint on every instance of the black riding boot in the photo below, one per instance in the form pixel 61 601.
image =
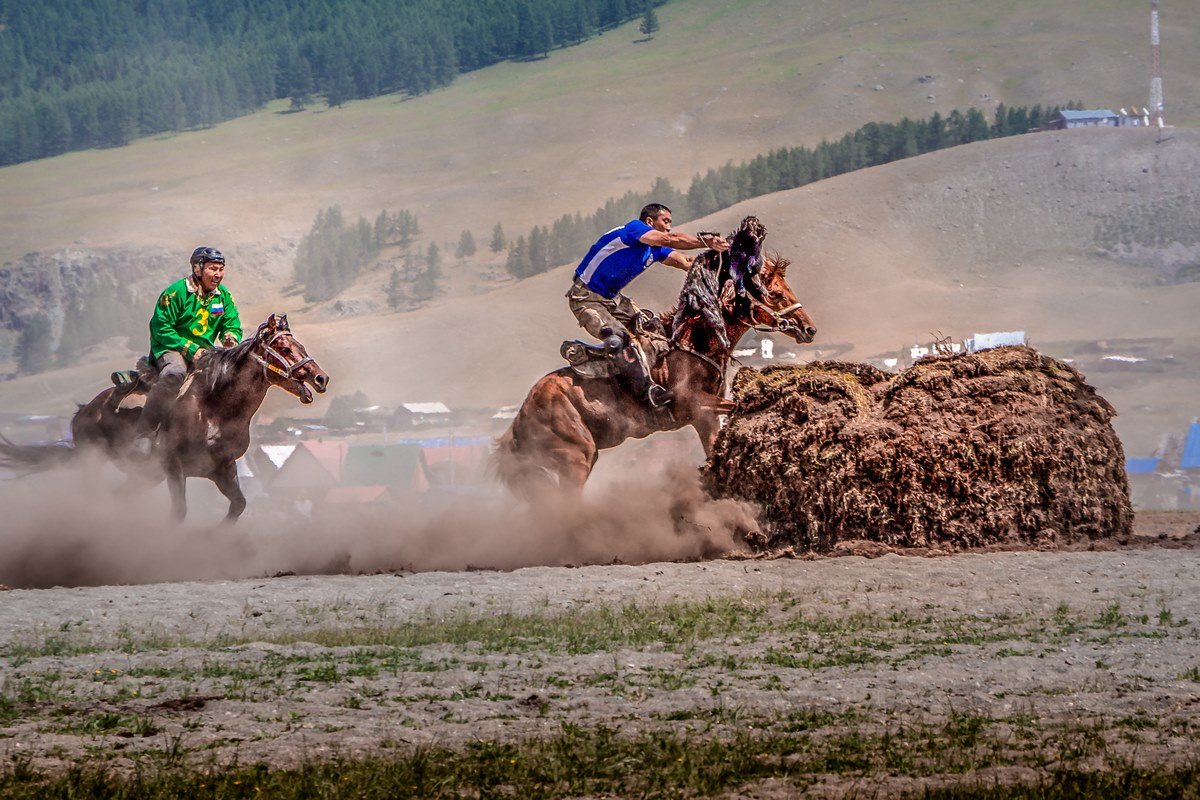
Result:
pixel 636 371
pixel 158 406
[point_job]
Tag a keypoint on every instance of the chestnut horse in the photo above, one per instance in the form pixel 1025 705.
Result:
pixel 567 419
pixel 208 428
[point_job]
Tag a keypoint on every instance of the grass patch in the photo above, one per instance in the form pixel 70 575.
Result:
pixel 600 761
pixel 818 641
pixel 579 632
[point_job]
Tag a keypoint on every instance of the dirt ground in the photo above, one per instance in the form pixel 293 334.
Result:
pixel 1105 639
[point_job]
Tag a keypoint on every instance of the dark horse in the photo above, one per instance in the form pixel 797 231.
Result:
pixel 567 419
pixel 208 428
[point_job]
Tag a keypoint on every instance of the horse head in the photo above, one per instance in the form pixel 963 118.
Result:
pixel 285 362
pixel 776 308
pixel 743 287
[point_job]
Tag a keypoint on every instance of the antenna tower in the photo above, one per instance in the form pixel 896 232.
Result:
pixel 1156 87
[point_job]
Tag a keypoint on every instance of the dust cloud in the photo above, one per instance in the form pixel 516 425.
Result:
pixel 78 527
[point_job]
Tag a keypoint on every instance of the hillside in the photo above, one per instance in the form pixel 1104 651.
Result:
pixel 1015 234
pixel 523 142
pixel 1022 233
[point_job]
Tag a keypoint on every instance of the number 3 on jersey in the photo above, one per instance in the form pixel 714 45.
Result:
pixel 201 322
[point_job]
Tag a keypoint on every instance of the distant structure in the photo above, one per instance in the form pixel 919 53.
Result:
pixel 1156 81
pixel 986 341
pixel 1088 118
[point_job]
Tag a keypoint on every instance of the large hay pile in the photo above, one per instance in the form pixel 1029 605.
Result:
pixel 1002 448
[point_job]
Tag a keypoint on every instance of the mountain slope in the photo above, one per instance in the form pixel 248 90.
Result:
pixel 1014 234
pixel 521 143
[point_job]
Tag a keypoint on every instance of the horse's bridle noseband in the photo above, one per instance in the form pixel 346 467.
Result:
pixel 288 368
pixel 782 323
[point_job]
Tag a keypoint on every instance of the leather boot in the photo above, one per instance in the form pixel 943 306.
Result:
pixel 636 370
pixel 154 413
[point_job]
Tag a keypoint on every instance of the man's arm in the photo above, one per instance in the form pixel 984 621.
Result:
pixel 678 260
pixel 683 241
pixel 230 324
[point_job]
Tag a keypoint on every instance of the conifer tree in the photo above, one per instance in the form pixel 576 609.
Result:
pixel 395 290
pixel 518 259
pixel 466 246
pixel 498 240
pixel 433 261
pixel 649 25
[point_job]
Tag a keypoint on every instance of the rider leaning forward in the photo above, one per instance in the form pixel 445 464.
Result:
pixel 190 317
pixel 615 259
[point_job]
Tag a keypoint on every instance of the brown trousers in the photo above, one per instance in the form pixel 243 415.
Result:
pixel 595 311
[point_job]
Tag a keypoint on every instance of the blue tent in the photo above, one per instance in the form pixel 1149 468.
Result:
pixel 1191 448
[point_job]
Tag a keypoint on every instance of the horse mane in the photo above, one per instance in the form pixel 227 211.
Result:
pixel 219 368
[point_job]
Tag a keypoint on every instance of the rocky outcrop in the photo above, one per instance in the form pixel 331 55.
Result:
pixel 99 288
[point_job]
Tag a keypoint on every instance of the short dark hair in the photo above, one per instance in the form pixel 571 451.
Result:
pixel 652 210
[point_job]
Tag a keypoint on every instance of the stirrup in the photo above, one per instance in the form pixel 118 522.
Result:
pixel 659 396
pixel 124 378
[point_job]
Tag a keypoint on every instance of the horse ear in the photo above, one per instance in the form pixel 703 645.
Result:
pixel 282 323
pixel 272 323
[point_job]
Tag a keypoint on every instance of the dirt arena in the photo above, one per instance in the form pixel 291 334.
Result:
pixel 283 669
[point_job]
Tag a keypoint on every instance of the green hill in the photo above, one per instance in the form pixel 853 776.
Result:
pixel 521 142
pixel 880 254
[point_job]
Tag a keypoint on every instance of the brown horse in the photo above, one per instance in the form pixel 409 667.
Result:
pixel 208 428
pixel 567 419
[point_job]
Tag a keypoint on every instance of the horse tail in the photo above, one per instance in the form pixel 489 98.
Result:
pixel 519 473
pixel 26 459
pixel 505 462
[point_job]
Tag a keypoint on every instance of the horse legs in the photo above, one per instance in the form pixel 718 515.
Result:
pixel 707 426
pixel 227 481
pixel 175 484
pixel 573 465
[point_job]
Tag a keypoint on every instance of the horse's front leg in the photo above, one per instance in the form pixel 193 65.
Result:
pixel 177 488
pixel 225 477
pixel 707 422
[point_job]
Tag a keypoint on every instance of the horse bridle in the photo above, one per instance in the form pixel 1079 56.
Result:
pixel 782 323
pixel 288 368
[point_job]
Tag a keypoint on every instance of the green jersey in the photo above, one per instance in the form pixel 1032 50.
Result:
pixel 185 320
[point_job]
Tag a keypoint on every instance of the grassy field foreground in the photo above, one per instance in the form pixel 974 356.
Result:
pixel 1007 675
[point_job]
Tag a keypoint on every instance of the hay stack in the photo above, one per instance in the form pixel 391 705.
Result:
pixel 1002 448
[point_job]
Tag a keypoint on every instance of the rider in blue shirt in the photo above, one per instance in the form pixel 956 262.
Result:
pixel 596 298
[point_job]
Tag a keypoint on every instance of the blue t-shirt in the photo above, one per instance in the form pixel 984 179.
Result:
pixel 617 258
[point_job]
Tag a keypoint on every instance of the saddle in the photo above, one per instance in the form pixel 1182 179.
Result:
pixel 132 385
pixel 589 360
pixel 600 360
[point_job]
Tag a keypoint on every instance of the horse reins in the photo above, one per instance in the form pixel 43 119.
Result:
pixel 706 359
